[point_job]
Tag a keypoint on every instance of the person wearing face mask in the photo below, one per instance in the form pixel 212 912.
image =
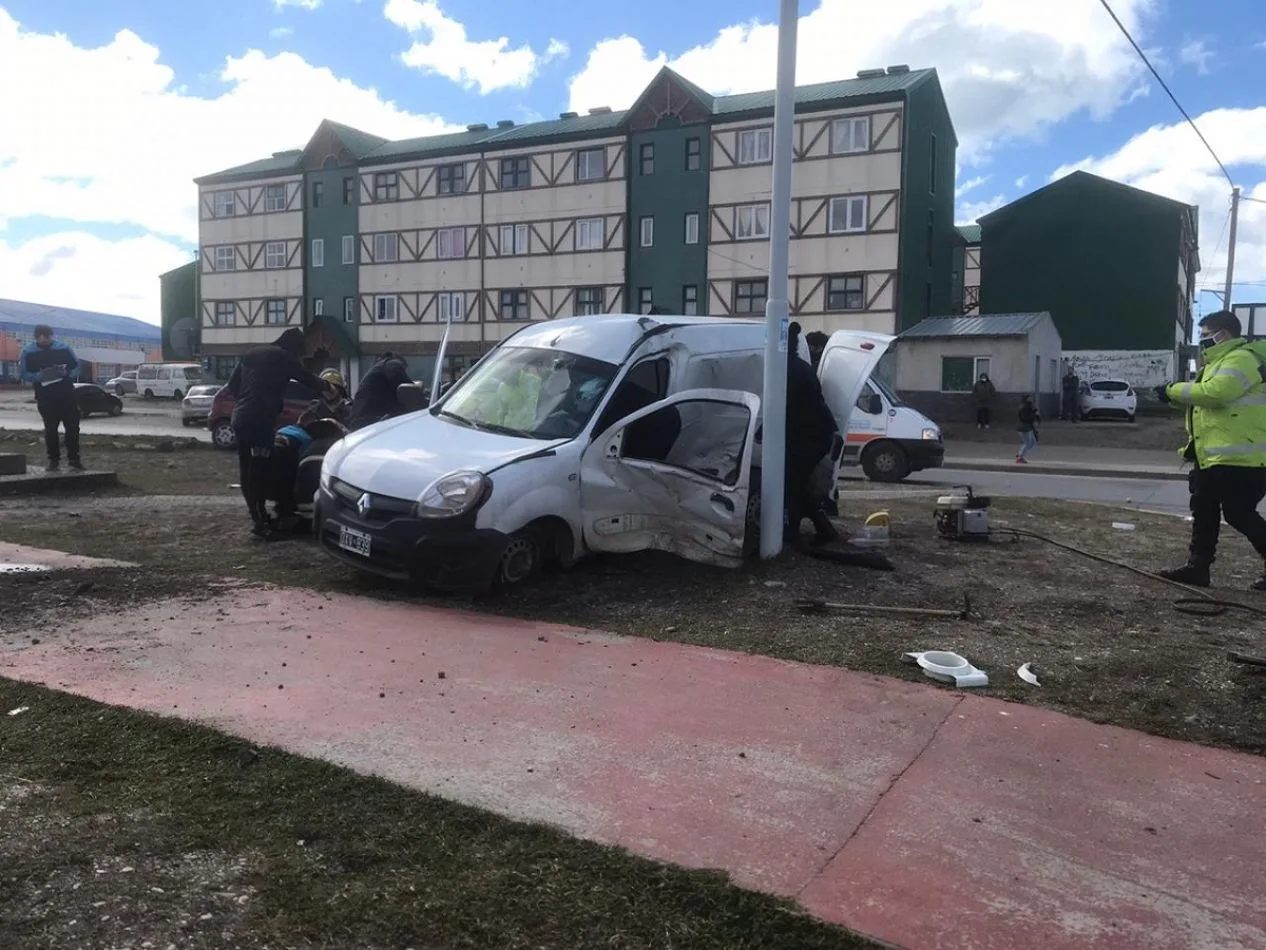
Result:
pixel 1226 443
pixel 983 392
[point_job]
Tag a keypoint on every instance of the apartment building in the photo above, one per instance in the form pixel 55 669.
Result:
pixel 373 245
pixel 966 274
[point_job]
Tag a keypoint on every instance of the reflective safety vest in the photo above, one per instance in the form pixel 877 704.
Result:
pixel 1226 415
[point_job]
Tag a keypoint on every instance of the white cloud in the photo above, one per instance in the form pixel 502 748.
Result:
pixel 107 135
pixel 1169 160
pixel 969 212
pixel 1009 69
pixel 446 51
pixel 281 32
pixel 1022 181
pixel 1196 53
pixel 301 4
pixel 970 185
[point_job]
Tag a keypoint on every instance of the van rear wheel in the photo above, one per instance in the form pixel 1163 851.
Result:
pixel 885 462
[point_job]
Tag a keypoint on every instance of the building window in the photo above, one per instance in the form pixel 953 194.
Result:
pixel 452 179
pixel 690 300
pixel 275 254
pixel 846 292
pixel 349 249
pixel 275 198
pixel 847 214
pixel 385 309
pixel 589 301
pixel 450 243
pixel 591 164
pixel 349 309
pixel 226 258
pixel 692 227
pixel 755 146
pixel 850 135
pixel 931 237
pixel 959 373
pixel 752 222
pixel 749 296
pixel 225 204
pixel 514 305
pixel 318 252
pixel 694 155
pixel 514 239
pixel 450 306
pixel 386 186
pixel 386 248
pixel 591 234
pixel 932 168
pixel 318 191
pixel 645 300
pixel 646 231
pixel 646 158
pixel 318 307
pixel 515 173
pixel 349 190
pixel 225 313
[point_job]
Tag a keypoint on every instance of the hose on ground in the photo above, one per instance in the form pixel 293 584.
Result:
pixel 1199 603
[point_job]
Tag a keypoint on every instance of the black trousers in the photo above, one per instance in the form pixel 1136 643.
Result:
pixel 802 458
pixel 983 415
pixel 255 469
pixel 60 411
pixel 1230 492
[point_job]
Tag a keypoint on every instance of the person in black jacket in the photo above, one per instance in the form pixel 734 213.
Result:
pixel 811 428
pixel 376 397
pixel 258 385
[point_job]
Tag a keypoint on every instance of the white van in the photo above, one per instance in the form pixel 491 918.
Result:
pixel 641 435
pixel 890 439
pixel 167 380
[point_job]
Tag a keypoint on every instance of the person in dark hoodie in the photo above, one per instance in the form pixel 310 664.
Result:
pixel 50 366
pixel 258 385
pixel 376 398
pixel 811 428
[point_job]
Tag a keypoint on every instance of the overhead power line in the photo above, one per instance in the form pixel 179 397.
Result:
pixel 1163 85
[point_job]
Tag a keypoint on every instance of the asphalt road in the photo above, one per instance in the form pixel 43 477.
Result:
pixel 134 421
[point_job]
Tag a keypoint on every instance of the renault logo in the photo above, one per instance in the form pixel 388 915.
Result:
pixel 363 504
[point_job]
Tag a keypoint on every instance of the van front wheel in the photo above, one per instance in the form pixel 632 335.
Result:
pixel 885 462
pixel 521 560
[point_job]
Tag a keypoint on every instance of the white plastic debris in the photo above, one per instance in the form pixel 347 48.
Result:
pixel 1122 526
pixel 1026 673
pixel 946 667
pixel 19 711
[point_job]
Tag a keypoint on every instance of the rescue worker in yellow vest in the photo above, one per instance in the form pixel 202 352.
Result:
pixel 1226 443
pixel 517 399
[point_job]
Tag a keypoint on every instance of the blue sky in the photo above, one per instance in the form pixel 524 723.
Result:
pixel 179 93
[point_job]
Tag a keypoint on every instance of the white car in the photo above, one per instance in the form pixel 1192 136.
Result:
pixel 1108 398
pixel 639 433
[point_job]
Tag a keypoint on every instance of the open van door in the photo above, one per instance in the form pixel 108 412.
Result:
pixel 847 362
pixel 673 476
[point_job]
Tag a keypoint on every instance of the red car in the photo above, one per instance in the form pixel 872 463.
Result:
pixel 220 419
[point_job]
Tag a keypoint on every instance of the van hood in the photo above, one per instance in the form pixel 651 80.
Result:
pixel 401 457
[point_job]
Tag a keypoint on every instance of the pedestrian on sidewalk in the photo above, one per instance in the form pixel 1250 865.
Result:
pixel 983 392
pixel 1070 407
pixel 50 366
pixel 1029 418
pixel 1226 442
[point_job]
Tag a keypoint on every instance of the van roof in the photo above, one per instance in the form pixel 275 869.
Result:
pixel 609 337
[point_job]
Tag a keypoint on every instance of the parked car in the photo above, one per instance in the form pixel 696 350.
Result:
pixel 195 408
pixel 1108 398
pixel 92 399
pixel 220 416
pixel 123 383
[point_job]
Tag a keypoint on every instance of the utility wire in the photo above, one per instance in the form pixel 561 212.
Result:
pixel 1172 97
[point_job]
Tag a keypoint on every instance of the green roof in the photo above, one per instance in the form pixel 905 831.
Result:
pixel 370 149
pixel 970 233
pixel 991 325
pixel 1081 183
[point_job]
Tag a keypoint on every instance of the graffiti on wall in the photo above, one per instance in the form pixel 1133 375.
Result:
pixel 1142 369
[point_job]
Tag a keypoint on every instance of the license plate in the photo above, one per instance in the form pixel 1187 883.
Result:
pixel 358 542
pixel 1109 398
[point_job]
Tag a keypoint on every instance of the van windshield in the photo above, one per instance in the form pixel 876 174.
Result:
pixel 529 392
pixel 893 399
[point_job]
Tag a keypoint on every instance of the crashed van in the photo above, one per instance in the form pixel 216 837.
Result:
pixel 616 433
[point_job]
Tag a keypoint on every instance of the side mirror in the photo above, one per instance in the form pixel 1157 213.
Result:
pixel 875 404
pixel 413 397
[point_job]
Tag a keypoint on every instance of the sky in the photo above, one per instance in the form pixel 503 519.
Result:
pixel 109 110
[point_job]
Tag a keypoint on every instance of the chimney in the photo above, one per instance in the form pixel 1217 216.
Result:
pixel 505 124
pixel 600 110
pixel 477 127
pixel 568 115
pixel 871 74
pixel 898 70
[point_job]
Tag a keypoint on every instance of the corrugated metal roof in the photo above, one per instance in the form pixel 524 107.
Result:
pixel 969 233
pixel 21 316
pixel 889 84
pixel 998 324
pixel 358 143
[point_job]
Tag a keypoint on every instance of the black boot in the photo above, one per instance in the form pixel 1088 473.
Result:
pixel 1259 584
pixel 1191 574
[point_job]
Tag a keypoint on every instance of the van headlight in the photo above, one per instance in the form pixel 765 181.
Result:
pixel 333 456
pixel 932 434
pixel 453 495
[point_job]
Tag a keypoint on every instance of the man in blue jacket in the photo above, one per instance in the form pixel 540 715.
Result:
pixel 50 366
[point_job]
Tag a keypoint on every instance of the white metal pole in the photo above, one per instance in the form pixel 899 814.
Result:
pixel 1230 248
pixel 438 375
pixel 777 309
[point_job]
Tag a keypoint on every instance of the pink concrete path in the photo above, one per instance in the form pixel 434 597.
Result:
pixel 923 817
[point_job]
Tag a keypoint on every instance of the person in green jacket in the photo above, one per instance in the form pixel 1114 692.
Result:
pixel 1226 442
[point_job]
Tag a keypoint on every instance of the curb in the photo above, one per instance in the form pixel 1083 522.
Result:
pixel 12 485
pixel 1159 475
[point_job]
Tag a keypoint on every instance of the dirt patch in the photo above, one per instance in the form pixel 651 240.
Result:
pixel 1109 644
pixel 1158 432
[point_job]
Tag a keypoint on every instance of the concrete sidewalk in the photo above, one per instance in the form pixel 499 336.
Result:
pixel 918 815
pixel 1086 462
